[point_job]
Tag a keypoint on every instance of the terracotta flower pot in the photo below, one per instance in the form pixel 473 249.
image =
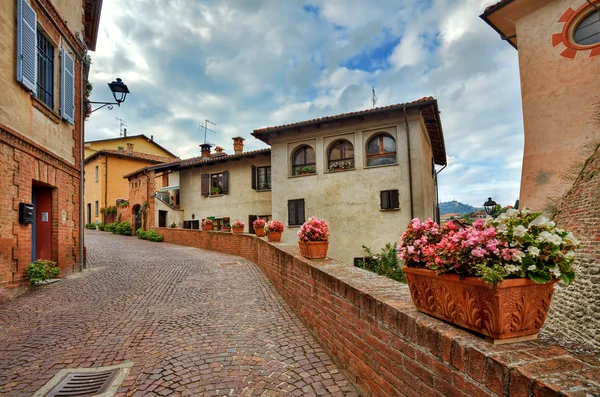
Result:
pixel 514 308
pixel 238 230
pixel 207 227
pixel 260 232
pixel 226 229
pixel 274 237
pixel 314 249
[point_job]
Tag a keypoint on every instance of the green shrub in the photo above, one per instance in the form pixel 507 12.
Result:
pixel 101 226
pixel 110 227
pixel 123 228
pixel 141 234
pixel 90 226
pixel 41 270
pixel 151 235
pixel 385 264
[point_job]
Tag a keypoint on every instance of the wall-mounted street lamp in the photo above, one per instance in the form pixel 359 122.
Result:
pixel 119 91
pixel 489 206
pixel 193 216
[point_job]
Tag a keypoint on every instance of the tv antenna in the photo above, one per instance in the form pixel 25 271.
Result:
pixel 122 123
pixel 206 129
pixel 374 98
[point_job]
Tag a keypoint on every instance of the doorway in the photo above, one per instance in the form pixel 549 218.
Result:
pixel 41 232
pixel 137 216
pixel 162 218
pixel 89 213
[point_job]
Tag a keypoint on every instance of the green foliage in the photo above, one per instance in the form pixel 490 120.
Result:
pixel 151 235
pixel 124 203
pixel 41 270
pixel 110 227
pixel 109 210
pixel 385 264
pixel 90 226
pixel 101 226
pixel 491 274
pixel 122 228
pixel 173 225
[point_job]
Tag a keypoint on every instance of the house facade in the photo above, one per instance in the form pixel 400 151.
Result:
pixel 559 61
pixel 43 72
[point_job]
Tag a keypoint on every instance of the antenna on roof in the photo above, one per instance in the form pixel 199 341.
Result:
pixel 374 97
pixel 122 123
pixel 205 126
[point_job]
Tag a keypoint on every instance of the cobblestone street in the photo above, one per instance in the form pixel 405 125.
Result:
pixel 193 322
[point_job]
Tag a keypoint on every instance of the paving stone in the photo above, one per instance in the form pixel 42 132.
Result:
pixel 190 326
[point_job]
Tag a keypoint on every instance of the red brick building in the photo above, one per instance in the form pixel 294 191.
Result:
pixel 43 73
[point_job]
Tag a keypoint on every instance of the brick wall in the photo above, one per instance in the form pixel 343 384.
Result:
pixel 371 328
pixel 141 192
pixel 575 309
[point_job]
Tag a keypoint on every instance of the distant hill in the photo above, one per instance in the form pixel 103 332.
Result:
pixel 457 208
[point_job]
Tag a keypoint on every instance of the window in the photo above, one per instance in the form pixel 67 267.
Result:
pixel 215 184
pixel 295 212
pixel 96 173
pixel 191 224
pixel 389 199
pixel 381 150
pixel 304 161
pixel 587 31
pixel 45 70
pixel 261 178
pixel 96 208
pixel 341 156
pixel 252 218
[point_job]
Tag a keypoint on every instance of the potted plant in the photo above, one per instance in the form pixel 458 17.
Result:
pixel 305 170
pixel 238 227
pixel 341 165
pixel 495 277
pixel 207 224
pixel 214 191
pixel 265 186
pixel 313 238
pixel 273 229
pixel 226 227
pixel 259 227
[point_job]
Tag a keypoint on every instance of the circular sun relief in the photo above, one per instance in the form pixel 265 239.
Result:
pixel 581 30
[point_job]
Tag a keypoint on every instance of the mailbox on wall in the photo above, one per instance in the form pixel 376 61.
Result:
pixel 26 213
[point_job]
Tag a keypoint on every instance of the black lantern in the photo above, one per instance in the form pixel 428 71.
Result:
pixel 119 91
pixel 193 216
pixel 489 206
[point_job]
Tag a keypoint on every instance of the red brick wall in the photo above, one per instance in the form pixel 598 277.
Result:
pixel 369 325
pixel 141 192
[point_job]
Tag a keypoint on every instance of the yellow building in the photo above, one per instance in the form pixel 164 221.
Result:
pixel 105 164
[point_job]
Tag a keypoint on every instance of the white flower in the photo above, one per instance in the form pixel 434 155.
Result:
pixel 543 236
pixel 555 239
pixel 556 272
pixel 520 231
pixel 540 221
pixel 531 268
pixel 501 228
pixel 489 221
pixel 512 268
pixel 525 211
pixel 511 212
pixel 533 251
pixel 517 256
pixel 569 238
pixel 570 254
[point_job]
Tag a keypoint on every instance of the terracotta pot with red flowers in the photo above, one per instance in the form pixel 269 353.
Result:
pixel 496 277
pixel 259 227
pixel 238 227
pixel 313 239
pixel 273 229
pixel 207 224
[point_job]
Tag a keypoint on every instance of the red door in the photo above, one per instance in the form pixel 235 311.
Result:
pixel 43 223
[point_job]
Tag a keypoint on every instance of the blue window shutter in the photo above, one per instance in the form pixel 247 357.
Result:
pixel 26 45
pixel 67 92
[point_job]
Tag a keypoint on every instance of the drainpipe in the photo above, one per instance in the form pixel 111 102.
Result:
pixel 105 187
pixel 81 170
pixel 409 163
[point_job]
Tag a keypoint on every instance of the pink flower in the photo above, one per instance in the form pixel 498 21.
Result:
pixel 478 252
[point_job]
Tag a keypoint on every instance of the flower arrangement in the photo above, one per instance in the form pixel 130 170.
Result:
pixel 305 170
pixel 518 243
pixel 215 190
pixel 207 222
pixel 226 226
pixel 238 224
pixel 314 230
pixel 258 223
pixel 344 165
pixel 274 227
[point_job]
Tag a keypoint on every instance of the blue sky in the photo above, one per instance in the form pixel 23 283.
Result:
pixel 249 64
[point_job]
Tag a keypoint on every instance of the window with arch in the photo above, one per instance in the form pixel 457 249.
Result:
pixel 381 150
pixel 587 31
pixel 341 156
pixel 304 161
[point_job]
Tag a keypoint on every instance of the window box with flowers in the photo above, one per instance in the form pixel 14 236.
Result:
pixel 238 227
pixel 226 227
pixel 273 229
pixel 259 227
pixel 207 224
pixel 495 277
pixel 313 238
pixel 341 166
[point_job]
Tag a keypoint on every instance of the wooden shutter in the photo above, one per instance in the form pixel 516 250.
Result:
pixel 225 189
pixel 292 212
pixel 384 199
pixel 251 219
pixel 254 177
pixel 67 94
pixel 300 212
pixel 205 185
pixel 26 45
pixel 394 199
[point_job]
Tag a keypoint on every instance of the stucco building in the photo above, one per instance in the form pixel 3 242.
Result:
pixel 106 162
pixel 367 173
pixel 43 71
pixel 559 47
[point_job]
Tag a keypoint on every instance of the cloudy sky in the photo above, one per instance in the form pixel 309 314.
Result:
pixel 247 64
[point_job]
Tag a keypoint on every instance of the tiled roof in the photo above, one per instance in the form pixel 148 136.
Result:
pixel 132 155
pixel 197 161
pixel 124 138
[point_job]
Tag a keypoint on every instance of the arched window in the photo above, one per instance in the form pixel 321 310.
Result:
pixel 341 156
pixel 304 161
pixel 381 150
pixel 587 31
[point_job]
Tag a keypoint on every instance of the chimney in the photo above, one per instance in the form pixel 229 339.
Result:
pixel 238 144
pixel 218 150
pixel 125 132
pixel 205 148
pixel 151 138
pixel 130 147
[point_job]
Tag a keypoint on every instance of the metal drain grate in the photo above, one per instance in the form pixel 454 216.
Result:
pixel 83 384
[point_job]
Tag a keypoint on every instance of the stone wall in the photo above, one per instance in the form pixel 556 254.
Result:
pixel 370 327
pixel 575 310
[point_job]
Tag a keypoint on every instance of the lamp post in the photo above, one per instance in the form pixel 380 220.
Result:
pixel 119 91
pixel 489 206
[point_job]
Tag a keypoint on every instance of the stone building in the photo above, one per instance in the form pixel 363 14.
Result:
pixel 43 72
pixel 558 43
